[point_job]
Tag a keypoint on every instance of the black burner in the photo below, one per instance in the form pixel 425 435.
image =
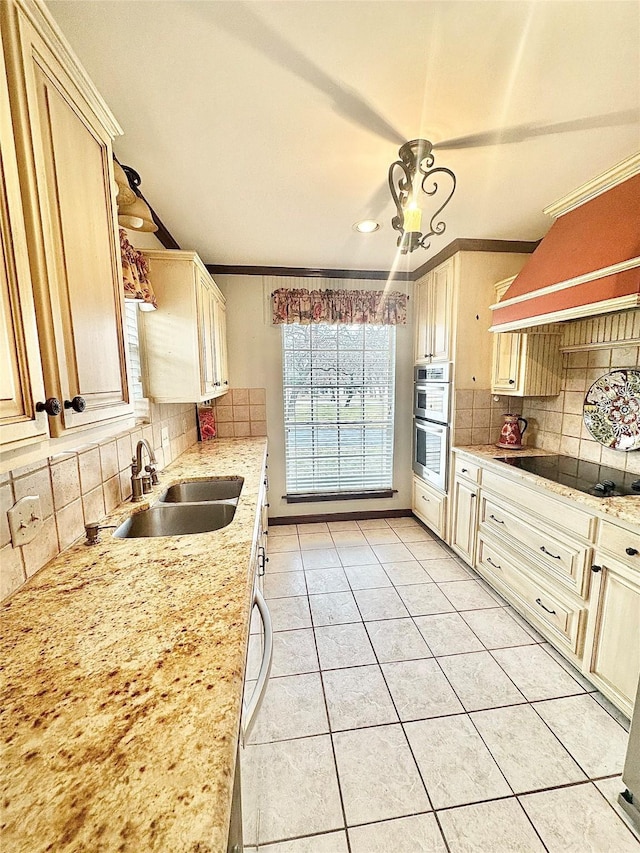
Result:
pixel 597 480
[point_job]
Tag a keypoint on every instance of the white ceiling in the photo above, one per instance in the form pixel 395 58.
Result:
pixel 264 130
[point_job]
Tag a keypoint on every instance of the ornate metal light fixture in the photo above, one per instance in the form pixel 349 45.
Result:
pixel 414 171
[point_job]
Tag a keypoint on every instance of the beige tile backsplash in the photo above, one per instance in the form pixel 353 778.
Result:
pixel 478 418
pixel 82 485
pixel 556 423
pixel 241 412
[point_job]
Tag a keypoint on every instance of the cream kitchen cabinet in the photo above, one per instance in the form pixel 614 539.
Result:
pixel 612 646
pixel 526 364
pixel 21 383
pixel 433 295
pixel 430 506
pixel 63 133
pixel 183 343
pixel 574 574
pixel 464 510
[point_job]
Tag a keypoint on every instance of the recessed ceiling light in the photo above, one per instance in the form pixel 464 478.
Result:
pixel 367 226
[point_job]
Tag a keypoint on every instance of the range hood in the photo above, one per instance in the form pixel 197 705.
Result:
pixel 589 262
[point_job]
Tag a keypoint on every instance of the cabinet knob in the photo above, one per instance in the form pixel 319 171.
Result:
pixel 226 382
pixel 51 406
pixel 216 383
pixel 596 568
pixel 631 551
pixel 77 404
pixel 512 382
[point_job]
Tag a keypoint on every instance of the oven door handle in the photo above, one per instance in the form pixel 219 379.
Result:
pixel 250 709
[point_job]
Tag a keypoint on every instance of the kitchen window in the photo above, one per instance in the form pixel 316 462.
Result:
pixel 339 386
pixel 140 402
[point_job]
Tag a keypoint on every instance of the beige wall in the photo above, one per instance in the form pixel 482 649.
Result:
pixel 255 361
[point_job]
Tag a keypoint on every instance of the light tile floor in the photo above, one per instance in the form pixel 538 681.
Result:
pixel 410 708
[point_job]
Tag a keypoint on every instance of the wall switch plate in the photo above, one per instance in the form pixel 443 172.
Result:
pixel 165 436
pixel 25 519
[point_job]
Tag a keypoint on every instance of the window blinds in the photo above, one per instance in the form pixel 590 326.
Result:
pixel 338 383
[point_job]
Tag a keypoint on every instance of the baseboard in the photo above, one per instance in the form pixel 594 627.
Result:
pixel 339 516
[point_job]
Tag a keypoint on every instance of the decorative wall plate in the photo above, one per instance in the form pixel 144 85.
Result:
pixel 612 410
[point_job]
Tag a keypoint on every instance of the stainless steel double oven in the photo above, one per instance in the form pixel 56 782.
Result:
pixel 431 422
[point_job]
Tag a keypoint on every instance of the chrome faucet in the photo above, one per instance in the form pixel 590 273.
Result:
pixel 141 481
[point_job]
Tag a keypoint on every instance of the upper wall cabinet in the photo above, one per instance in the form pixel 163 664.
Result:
pixel 433 295
pixel 21 385
pixel 63 134
pixel 184 349
pixel 526 364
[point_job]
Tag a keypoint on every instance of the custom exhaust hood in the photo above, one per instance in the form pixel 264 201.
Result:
pixel 588 263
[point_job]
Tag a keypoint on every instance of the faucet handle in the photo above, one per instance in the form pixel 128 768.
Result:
pixel 134 466
pixel 151 469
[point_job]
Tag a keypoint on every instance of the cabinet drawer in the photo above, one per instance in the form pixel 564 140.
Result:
pixel 566 561
pixel 547 605
pixel 464 468
pixel 622 543
pixel 561 514
pixel 430 506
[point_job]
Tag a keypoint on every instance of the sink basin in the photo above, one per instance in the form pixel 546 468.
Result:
pixel 220 489
pixel 175 520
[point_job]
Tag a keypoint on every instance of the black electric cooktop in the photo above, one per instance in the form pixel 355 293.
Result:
pixel 596 480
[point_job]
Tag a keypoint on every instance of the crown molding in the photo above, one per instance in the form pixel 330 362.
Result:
pixel 623 266
pixel 579 312
pixel 309 272
pixel 628 168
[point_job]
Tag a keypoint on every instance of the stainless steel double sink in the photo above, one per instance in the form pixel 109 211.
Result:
pixel 198 506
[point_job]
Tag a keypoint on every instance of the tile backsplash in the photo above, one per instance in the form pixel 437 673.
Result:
pixel 479 416
pixel 241 412
pixel 556 424
pixel 80 486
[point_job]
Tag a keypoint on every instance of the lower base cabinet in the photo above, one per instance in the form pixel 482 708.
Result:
pixel 612 645
pixel 574 575
pixel 430 506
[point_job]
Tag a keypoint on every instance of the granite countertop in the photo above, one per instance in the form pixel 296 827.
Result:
pixel 625 509
pixel 122 676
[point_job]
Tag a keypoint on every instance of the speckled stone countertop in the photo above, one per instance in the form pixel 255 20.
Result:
pixel 121 685
pixel 625 509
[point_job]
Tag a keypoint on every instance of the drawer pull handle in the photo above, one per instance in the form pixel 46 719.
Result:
pixel 549 554
pixel 496 519
pixel 473 496
pixel 538 602
pixel 495 565
pixel 464 470
pixel 596 568
pixel 631 551
pixel 424 498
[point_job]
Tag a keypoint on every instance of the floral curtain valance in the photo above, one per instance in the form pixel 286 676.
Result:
pixel 135 273
pixel 374 307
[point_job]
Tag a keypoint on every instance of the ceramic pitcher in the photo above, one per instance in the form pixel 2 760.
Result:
pixel 511 434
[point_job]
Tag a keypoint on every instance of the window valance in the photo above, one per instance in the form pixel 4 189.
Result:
pixel 135 273
pixel 374 307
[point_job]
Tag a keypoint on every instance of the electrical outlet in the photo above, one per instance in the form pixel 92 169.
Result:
pixel 165 436
pixel 25 519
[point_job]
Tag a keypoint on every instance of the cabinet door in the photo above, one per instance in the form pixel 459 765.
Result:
pixel 220 323
pixel 612 652
pixel 21 384
pixel 206 309
pixel 67 159
pixel 420 320
pixel 439 321
pixel 430 506
pixel 507 350
pixel 464 519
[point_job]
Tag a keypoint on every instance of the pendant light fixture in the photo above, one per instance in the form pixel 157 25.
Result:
pixel 133 210
pixel 412 178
